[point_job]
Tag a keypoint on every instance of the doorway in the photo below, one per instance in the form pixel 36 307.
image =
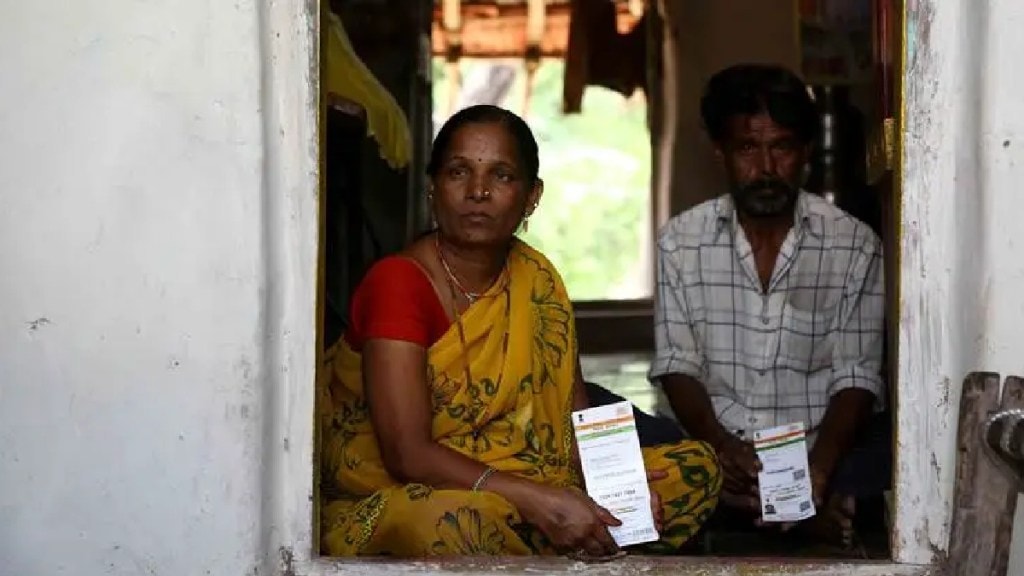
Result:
pixel 856 74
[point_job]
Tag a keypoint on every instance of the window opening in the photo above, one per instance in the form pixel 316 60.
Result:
pixel 594 219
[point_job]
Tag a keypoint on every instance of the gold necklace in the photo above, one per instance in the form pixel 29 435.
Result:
pixel 453 279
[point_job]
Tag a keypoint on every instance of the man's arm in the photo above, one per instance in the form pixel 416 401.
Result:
pixel 679 364
pixel 692 406
pixel 678 361
pixel 846 411
pixel 856 373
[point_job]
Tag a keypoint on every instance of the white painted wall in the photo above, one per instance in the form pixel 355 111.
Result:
pixel 146 188
pixel 157 261
pixel 1000 140
pixel 962 271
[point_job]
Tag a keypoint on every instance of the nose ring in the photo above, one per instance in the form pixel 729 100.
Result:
pixel 486 193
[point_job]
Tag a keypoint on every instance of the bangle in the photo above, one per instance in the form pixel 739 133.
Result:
pixel 483 478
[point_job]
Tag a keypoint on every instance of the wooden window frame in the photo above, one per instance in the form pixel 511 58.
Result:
pixel 614 326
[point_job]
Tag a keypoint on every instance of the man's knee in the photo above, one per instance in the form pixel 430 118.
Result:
pixel 867 469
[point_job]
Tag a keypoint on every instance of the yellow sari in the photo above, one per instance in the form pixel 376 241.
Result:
pixel 514 416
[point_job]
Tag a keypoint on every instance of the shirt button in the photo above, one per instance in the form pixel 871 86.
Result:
pixel 760 372
pixel 764 320
pixel 752 420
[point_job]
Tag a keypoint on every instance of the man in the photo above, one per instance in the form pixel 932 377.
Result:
pixel 769 302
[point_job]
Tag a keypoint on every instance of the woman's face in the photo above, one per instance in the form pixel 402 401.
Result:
pixel 481 191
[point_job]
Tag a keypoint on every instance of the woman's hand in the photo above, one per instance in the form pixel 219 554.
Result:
pixel 570 520
pixel 656 508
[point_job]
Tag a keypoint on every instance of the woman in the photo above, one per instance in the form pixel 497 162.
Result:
pixel 448 430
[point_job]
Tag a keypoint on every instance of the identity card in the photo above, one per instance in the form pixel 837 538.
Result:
pixel 613 469
pixel 785 479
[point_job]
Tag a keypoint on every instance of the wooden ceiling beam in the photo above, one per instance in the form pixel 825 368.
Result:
pixel 451 31
pixel 500 30
pixel 451 26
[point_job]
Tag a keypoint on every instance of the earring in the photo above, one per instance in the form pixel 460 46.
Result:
pixel 526 218
pixel 430 209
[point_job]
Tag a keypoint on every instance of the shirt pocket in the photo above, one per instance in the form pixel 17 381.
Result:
pixel 807 339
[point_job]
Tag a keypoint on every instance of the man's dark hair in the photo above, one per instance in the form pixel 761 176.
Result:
pixel 748 89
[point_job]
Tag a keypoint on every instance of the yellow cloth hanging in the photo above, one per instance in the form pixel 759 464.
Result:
pixel 347 77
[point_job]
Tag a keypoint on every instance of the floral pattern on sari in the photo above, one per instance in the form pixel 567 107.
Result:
pixel 513 415
pixel 552 316
pixel 464 532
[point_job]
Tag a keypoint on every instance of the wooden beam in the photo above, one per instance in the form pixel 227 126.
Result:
pixel 536 13
pixel 985 497
pixel 500 30
pixel 615 326
pixel 451 30
pixel 535 16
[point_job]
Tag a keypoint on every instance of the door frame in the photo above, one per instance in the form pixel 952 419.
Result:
pixel 929 366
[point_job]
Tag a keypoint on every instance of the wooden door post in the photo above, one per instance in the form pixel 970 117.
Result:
pixel 985 498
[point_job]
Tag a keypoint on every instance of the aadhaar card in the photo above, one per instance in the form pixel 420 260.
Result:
pixel 785 477
pixel 613 469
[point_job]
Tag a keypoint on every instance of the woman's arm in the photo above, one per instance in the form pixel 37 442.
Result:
pixel 395 381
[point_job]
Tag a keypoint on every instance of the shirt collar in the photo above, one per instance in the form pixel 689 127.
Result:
pixel 808 214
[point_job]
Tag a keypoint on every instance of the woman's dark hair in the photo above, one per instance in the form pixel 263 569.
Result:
pixel 748 89
pixel 526 144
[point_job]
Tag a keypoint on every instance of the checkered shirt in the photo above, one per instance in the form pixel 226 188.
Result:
pixel 775 357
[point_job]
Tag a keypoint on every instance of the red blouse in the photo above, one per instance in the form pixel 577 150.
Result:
pixel 396 301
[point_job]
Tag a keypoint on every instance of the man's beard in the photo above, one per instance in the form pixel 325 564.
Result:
pixel 765 198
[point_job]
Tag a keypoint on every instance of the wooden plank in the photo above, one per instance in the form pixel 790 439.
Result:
pixel 499 30
pixel 1006 490
pixel 629 566
pixel 1013 397
pixel 985 497
pixel 493 31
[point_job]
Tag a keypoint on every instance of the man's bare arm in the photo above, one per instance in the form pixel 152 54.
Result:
pixel 857 359
pixel 692 406
pixel 846 412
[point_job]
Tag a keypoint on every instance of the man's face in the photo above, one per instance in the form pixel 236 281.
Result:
pixel 764 164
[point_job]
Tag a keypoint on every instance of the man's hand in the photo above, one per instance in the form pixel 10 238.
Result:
pixel 740 467
pixel 821 471
pixel 819 484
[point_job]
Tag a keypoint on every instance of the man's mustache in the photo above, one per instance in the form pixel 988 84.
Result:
pixel 767 184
